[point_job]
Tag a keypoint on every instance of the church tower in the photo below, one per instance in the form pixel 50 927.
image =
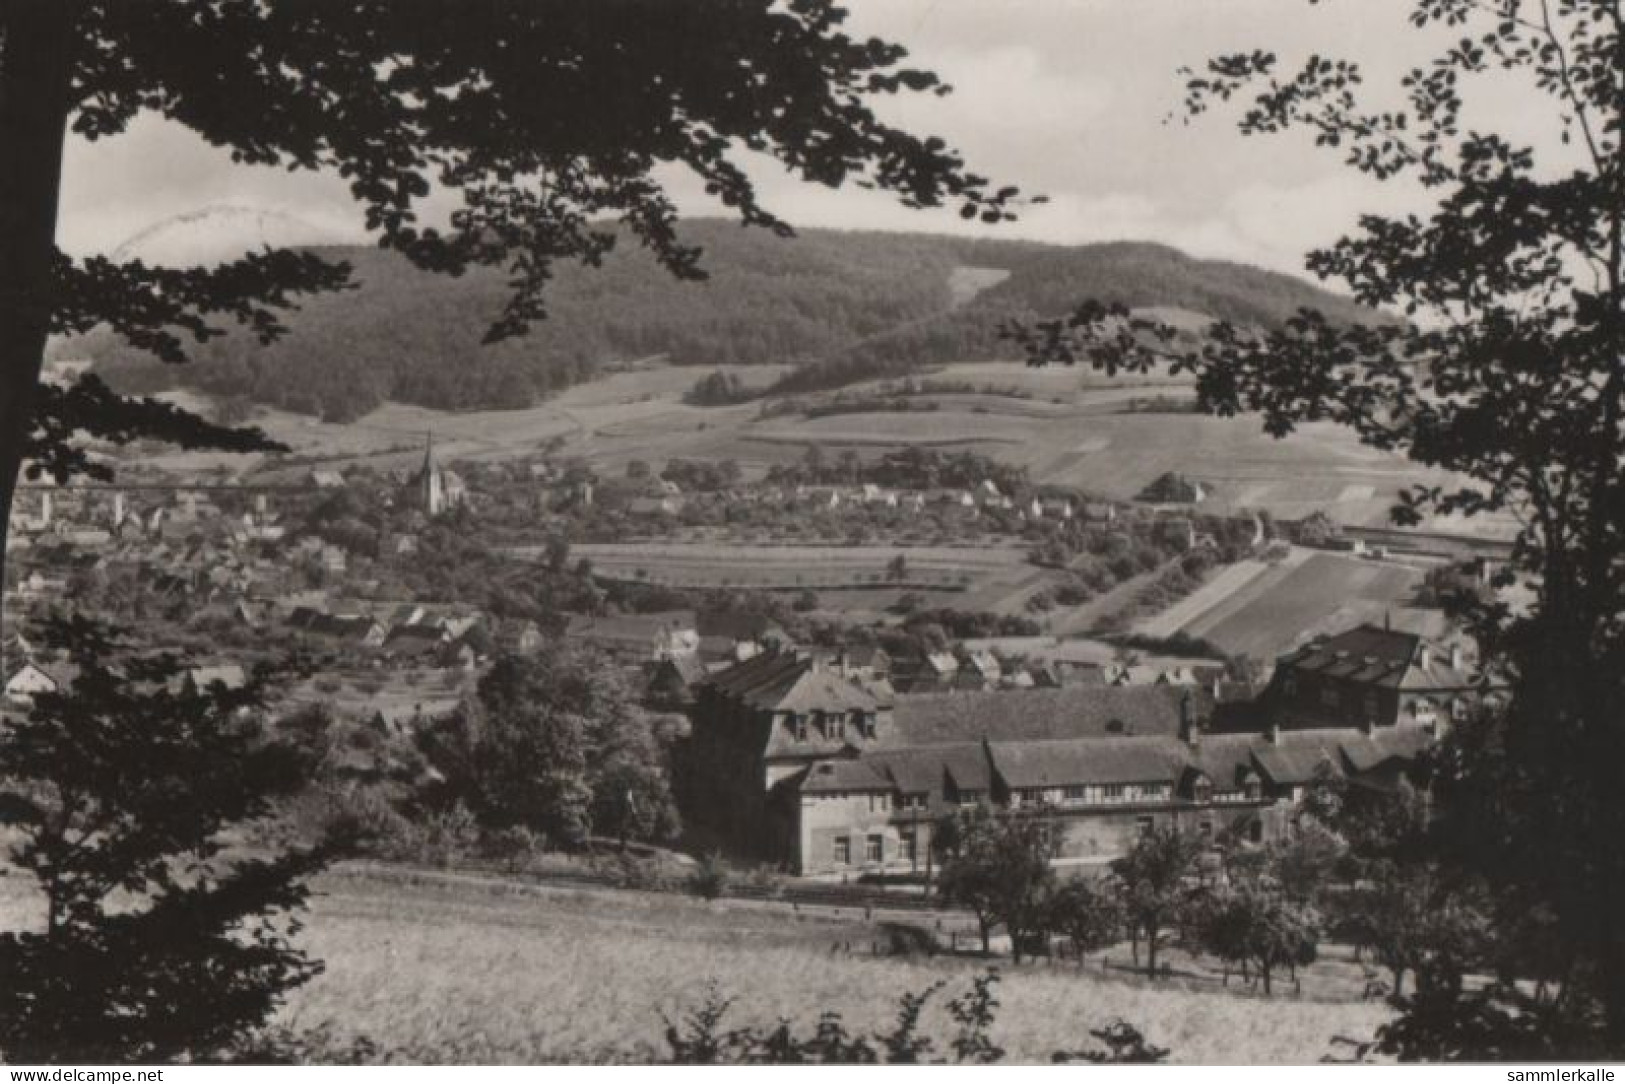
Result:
pixel 433 485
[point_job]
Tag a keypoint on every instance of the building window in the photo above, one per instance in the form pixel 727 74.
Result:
pixel 1112 792
pixel 843 851
pixel 1154 791
pixel 1255 790
pixel 879 803
pixel 867 722
pixel 801 727
pixel 837 725
pixel 909 845
pixel 912 801
pixel 872 849
pixel 1202 789
pixel 1256 831
pixel 969 797
pixel 1075 795
pixel 1144 825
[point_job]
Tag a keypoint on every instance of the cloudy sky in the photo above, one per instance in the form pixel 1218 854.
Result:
pixel 1070 98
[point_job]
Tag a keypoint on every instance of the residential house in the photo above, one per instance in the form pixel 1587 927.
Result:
pixel 1372 677
pixel 32 678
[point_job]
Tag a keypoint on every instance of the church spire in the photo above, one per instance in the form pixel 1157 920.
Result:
pixel 434 496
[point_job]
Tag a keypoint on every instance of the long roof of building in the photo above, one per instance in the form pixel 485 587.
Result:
pixel 1086 761
pixel 1045 714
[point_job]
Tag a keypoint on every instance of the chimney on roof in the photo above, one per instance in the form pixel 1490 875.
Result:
pixel 1424 657
pixel 1274 734
pixel 1455 656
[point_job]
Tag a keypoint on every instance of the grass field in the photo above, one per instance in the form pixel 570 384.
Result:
pixel 1271 612
pixel 446 969
pixel 461 975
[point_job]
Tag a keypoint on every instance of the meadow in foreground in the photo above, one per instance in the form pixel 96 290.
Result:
pixel 463 973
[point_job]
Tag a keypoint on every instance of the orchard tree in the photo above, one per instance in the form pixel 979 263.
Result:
pixel 156 939
pixel 998 866
pixel 1088 914
pixel 1257 925
pixel 1153 883
pixel 1506 370
pixel 539 119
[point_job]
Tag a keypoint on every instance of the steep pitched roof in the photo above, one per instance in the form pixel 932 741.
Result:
pixel 967 765
pixel 1365 752
pixel 1389 658
pixel 1297 756
pixel 914 771
pixel 1226 759
pixel 784 681
pixel 845 776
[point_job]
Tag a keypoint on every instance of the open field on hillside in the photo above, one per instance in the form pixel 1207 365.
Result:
pixel 1224 583
pixel 1297 599
pixel 936 427
pixel 1072 432
pixel 467 974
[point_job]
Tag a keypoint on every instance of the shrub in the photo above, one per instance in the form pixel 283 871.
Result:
pixel 700 1039
pixel 709 878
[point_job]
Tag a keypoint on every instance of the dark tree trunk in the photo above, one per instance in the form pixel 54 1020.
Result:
pixel 36 39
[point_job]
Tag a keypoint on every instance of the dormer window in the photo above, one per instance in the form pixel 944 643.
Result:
pixel 836 724
pixel 1202 789
pixel 799 722
pixel 867 722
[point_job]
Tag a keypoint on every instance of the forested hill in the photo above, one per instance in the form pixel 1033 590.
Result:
pixel 844 305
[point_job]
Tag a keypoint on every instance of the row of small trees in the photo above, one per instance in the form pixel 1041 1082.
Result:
pixel 1345 870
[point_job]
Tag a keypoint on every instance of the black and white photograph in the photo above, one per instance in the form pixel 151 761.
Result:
pixel 812 532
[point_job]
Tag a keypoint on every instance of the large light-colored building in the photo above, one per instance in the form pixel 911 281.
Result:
pixel 793 762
